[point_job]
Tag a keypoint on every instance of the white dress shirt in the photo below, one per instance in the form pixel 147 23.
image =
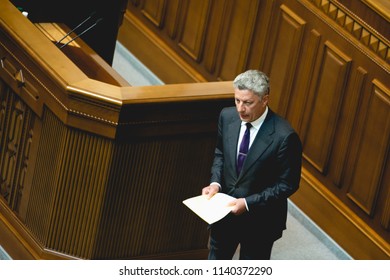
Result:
pixel 256 124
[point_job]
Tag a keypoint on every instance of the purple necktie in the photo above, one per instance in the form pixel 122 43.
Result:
pixel 244 146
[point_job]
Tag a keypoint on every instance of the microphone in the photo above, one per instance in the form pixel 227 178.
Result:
pixel 80 24
pixel 74 38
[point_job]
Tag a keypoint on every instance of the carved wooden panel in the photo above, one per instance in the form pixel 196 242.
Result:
pixel 216 33
pixel 360 30
pixel 194 28
pixel 296 109
pixel 17 122
pixel 285 54
pixel 20 78
pixel 325 110
pixel 154 10
pixel 238 41
pixel 344 133
pixel 172 19
pixel 373 147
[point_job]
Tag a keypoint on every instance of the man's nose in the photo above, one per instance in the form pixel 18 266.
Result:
pixel 240 107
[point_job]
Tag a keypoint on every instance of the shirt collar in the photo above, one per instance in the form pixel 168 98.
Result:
pixel 258 122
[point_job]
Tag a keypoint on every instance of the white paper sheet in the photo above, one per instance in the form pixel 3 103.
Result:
pixel 210 210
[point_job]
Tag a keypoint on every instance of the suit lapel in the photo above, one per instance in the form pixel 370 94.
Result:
pixel 234 131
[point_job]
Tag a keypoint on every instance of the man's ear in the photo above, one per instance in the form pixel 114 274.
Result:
pixel 265 99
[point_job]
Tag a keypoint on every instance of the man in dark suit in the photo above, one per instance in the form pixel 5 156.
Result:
pixel 270 172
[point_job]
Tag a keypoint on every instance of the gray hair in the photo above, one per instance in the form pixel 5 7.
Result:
pixel 253 80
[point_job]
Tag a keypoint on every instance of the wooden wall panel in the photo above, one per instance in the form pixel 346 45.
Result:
pixel 373 146
pixel 339 221
pixel 329 92
pixel 172 18
pixel 217 32
pixel 237 44
pixel 360 31
pixel 154 11
pixel 375 12
pixel 297 106
pixel 193 33
pixel 287 46
pixel 207 33
pixel 344 133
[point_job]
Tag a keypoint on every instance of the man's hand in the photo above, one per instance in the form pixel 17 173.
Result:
pixel 209 191
pixel 239 206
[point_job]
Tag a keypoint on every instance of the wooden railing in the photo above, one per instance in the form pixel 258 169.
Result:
pixel 91 167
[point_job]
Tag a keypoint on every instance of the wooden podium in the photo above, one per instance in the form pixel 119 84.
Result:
pixel 91 167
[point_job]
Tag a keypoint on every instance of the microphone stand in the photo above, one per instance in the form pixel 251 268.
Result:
pixel 74 38
pixel 80 24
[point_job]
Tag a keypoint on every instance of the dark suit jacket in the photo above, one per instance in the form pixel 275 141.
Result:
pixel 270 174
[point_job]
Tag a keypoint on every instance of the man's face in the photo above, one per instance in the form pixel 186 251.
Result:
pixel 249 105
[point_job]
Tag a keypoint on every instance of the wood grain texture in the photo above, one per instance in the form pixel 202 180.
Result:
pixel 72 146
